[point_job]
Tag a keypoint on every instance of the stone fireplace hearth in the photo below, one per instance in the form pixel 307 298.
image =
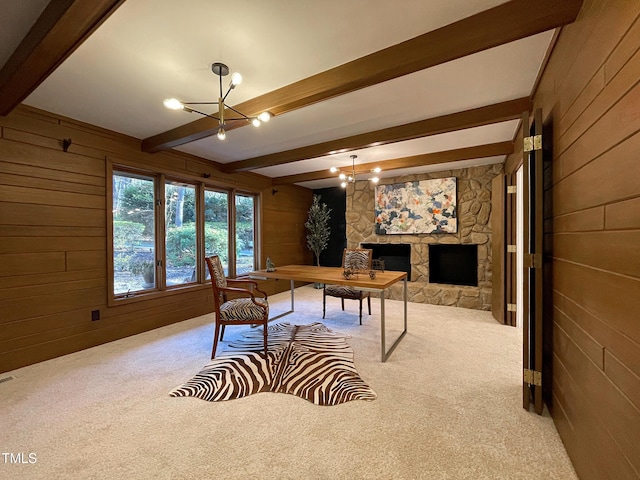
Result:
pixel 474 228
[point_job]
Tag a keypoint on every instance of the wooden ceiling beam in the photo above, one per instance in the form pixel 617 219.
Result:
pixel 505 23
pixel 476 117
pixel 468 153
pixel 61 28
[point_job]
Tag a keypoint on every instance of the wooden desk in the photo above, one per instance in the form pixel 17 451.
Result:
pixel 333 276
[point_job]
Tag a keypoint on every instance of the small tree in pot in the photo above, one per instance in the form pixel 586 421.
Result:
pixel 147 269
pixel 318 227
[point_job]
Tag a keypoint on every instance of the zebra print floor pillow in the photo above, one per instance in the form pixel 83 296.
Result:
pixel 310 361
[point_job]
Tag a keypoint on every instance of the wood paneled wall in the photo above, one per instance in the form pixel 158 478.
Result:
pixel 590 97
pixel 53 240
pixel 285 210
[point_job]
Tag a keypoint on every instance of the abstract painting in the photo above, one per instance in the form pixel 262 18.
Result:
pixel 426 206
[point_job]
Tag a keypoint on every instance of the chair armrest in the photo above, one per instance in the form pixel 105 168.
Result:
pixel 243 281
pixel 240 291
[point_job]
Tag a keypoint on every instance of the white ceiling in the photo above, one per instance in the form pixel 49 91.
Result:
pixel 149 50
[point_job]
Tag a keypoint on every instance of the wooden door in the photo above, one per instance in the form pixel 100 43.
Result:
pixel 511 284
pixel 498 248
pixel 503 228
pixel 532 274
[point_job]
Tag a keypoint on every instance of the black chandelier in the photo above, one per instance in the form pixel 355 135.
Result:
pixel 221 70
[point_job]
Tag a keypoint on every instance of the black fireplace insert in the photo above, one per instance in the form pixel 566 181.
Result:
pixel 396 256
pixel 453 264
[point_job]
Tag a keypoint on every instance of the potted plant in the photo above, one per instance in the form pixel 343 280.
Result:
pixel 148 271
pixel 318 226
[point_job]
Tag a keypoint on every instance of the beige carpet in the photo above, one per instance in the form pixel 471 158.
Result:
pixel 448 407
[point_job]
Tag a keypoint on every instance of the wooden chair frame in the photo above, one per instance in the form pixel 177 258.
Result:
pixel 220 298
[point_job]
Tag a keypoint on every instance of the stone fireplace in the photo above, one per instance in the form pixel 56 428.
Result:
pixel 396 256
pixel 474 230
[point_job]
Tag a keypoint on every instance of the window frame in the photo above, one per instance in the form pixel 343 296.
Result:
pixel 256 223
pixel 116 166
pixel 229 195
pixel 198 187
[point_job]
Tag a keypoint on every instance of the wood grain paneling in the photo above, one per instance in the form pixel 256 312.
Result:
pixel 25 244
pixel 609 407
pixel 589 346
pixel 284 235
pixel 24 280
pixel 598 183
pixel 589 93
pixel 27 176
pixel 625 49
pixel 623 377
pixel 36 291
pixel 86 260
pixel 616 89
pixel 598 457
pixel 29 120
pixel 282 228
pixel 595 290
pixel 51 231
pixel 623 347
pixel 24 154
pixel 615 126
pixel 29 263
pixel 611 27
pixel 31 214
pixel 51 349
pixel 623 215
pixel 569 43
pixel 20 308
pixel 617 251
pixel 582 221
pixel 52 143
pixel 53 237
pixel 34 330
pixel 39 196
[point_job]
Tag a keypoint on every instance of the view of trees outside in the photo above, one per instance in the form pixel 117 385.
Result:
pixel 134 232
pixel 245 234
pixel 216 226
pixel 180 233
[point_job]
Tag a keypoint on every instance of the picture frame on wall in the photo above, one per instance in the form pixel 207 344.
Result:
pixel 425 206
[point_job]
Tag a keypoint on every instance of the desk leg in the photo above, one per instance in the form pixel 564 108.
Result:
pixel 292 304
pixel 292 290
pixel 405 304
pixel 385 354
pixel 382 329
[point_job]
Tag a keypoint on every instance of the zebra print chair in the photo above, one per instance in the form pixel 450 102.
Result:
pixel 358 259
pixel 246 308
